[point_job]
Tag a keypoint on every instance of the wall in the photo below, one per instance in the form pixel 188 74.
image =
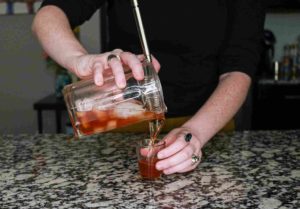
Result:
pixel 24 78
pixel 286 28
pixel 90 34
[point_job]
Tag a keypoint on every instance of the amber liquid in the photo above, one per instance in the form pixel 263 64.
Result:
pixel 97 121
pixel 147 165
pixel 155 127
pixel 147 168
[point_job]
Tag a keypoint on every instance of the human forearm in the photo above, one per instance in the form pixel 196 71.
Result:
pixel 53 30
pixel 221 106
pixel 229 95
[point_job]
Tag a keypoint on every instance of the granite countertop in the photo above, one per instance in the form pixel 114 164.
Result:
pixel 239 170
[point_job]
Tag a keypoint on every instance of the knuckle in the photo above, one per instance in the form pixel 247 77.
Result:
pixel 172 162
pixel 185 155
pixel 115 64
pixel 118 50
pixel 190 150
pixel 98 58
pixel 196 144
pixel 140 56
pixel 135 64
pixel 181 142
pixel 105 55
pixel 98 65
pixel 173 133
pixel 128 55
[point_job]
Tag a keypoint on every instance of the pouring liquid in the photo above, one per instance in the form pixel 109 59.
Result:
pixel 155 127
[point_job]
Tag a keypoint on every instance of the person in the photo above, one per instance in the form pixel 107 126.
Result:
pixel 207 51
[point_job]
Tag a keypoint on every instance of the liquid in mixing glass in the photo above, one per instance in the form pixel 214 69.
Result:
pixel 97 120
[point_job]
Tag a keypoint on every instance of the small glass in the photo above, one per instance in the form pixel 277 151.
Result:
pixel 147 158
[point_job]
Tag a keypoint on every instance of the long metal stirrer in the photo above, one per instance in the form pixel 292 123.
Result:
pixel 152 101
pixel 141 31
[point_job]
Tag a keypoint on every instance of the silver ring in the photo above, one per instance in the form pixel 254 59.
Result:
pixel 113 56
pixel 195 159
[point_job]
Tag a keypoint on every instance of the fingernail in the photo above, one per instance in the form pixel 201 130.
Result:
pixel 140 75
pixel 160 155
pixel 166 172
pixel 122 83
pixel 158 166
pixel 98 82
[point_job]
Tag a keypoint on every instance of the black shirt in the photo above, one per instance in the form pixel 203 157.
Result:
pixel 195 41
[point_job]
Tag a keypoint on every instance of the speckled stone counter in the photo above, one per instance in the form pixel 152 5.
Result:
pixel 238 170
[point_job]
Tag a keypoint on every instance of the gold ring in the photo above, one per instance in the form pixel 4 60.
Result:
pixel 113 56
pixel 195 159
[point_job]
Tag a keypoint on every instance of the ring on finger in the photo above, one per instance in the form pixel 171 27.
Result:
pixel 113 56
pixel 188 137
pixel 195 159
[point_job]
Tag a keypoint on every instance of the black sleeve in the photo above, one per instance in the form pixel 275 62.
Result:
pixel 77 11
pixel 243 44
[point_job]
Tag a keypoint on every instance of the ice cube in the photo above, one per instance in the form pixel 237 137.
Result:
pixel 100 115
pixel 84 119
pixel 84 105
pixel 98 129
pixel 128 109
pixel 111 125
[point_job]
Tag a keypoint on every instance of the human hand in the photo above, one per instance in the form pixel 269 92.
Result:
pixel 97 66
pixel 182 152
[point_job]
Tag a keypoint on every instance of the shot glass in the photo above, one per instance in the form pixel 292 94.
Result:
pixel 147 158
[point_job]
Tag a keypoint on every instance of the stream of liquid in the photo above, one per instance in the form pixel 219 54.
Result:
pixel 155 127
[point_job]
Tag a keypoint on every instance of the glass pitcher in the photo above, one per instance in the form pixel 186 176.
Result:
pixel 94 109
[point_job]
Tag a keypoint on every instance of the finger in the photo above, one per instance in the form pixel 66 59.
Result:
pixel 171 136
pixel 141 57
pixel 134 64
pixel 118 72
pixel 104 56
pixel 98 73
pixel 169 139
pixel 183 167
pixel 147 152
pixel 155 63
pixel 192 166
pixel 117 51
pixel 84 70
pixel 173 148
pixel 176 159
pixel 144 152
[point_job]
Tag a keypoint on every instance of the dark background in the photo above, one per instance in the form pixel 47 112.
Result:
pixel 286 4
